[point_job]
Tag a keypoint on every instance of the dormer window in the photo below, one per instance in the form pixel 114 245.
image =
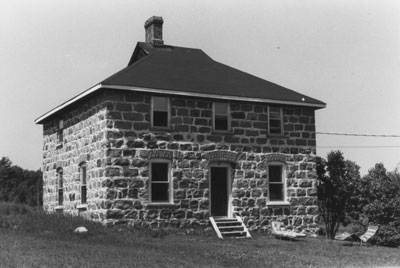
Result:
pixel 275 120
pixel 221 116
pixel 160 112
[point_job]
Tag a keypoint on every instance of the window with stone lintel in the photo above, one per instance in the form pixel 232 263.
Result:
pixel 276 182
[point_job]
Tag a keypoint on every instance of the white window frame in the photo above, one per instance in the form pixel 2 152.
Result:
pixel 227 115
pixel 284 182
pixel 281 119
pixel 60 132
pixel 60 186
pixel 170 192
pixel 83 166
pixel 168 111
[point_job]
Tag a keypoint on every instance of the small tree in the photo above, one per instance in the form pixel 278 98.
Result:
pixel 334 189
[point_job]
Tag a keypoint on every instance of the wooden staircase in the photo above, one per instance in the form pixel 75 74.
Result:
pixel 229 227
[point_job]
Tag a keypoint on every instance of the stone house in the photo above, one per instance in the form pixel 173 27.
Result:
pixel 176 138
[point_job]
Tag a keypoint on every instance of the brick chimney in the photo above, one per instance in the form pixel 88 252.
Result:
pixel 153 28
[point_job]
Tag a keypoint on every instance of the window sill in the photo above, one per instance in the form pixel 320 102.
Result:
pixel 82 207
pixel 59 208
pixel 220 132
pixel 161 205
pixel 278 203
pixel 271 136
pixel 161 129
pixel 59 145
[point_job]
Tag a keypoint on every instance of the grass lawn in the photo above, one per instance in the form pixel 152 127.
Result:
pixel 38 240
pixel 178 250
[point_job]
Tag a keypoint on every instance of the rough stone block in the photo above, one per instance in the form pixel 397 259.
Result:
pixel 260 124
pixel 111 172
pixel 252 133
pixel 206 113
pixel 202 104
pixel 134 97
pixel 133 116
pixel 178 102
pixel 182 112
pixel 214 138
pixel 123 107
pixel 123 125
pixel 238 115
pixel 140 126
pixel 142 108
pixel 181 128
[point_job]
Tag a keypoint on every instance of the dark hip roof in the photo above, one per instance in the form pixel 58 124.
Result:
pixel 187 71
pixel 193 71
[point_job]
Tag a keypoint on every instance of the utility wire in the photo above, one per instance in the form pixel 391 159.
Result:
pixel 358 135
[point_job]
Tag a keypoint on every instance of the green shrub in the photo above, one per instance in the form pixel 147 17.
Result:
pixel 375 200
pixel 388 235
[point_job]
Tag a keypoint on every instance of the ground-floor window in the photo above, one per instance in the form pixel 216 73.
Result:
pixel 82 175
pixel 276 183
pixel 60 186
pixel 160 178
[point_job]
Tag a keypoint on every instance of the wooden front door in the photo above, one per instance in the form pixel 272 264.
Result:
pixel 219 191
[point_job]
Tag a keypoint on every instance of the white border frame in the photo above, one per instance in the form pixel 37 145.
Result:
pixel 60 178
pixel 284 181
pixel 170 189
pixel 81 183
pixel 229 186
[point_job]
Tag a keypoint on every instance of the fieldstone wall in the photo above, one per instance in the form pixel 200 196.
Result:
pixel 84 140
pixel 111 132
pixel 187 143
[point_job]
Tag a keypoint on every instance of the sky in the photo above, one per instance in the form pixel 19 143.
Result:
pixel 343 52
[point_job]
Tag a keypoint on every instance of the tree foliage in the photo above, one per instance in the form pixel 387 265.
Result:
pixel 20 185
pixel 335 177
pixel 376 200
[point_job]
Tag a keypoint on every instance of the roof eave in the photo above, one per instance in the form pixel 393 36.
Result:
pixel 214 96
pixel 42 118
pixel 97 87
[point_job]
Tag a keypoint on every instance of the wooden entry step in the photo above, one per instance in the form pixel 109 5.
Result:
pixel 229 227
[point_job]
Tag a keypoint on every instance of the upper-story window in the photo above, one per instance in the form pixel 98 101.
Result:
pixel 60 186
pixel 82 177
pixel 221 116
pixel 276 183
pixel 60 132
pixel 160 178
pixel 160 112
pixel 275 120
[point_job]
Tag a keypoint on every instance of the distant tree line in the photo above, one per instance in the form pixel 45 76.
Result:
pixel 20 185
pixel 344 197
